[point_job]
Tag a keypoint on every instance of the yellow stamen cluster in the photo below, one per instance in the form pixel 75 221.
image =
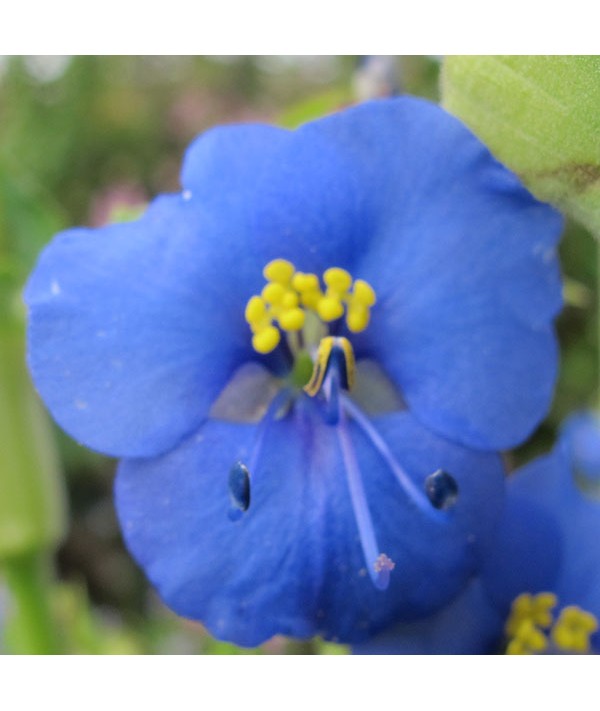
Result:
pixel 536 608
pixel 289 294
pixel 528 639
pixel 530 627
pixel 573 629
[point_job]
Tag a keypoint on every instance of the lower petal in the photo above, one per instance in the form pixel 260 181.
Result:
pixel 293 563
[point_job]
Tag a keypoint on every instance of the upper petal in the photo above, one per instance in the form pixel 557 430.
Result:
pixel 293 564
pixel 463 260
pixel 289 194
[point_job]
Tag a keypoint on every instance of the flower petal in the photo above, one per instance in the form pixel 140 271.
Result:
pixel 470 624
pixel 549 482
pixel 526 554
pixel 580 434
pixel 293 564
pixel 289 194
pixel 132 330
pixel 463 260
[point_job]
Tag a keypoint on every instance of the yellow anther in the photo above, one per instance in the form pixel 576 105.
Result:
pixel 305 282
pixel 266 340
pixel 307 285
pixel 289 300
pixel 544 604
pixel 515 646
pixel 330 308
pixel 528 639
pixel 256 310
pixel 531 614
pixel 288 296
pixel 311 298
pixel 573 629
pixel 337 279
pixel 291 320
pixel 363 293
pixel 357 318
pixel 273 293
pixel 279 270
pixel 535 608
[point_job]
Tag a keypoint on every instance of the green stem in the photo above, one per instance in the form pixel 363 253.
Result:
pixel 32 627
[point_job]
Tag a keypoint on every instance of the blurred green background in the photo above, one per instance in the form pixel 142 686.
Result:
pixel 85 140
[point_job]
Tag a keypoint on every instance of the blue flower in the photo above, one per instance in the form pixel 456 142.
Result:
pixel 386 234
pixel 539 585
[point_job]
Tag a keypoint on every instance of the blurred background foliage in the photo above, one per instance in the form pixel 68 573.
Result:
pixel 84 140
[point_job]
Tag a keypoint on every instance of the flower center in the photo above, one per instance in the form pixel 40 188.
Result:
pixel 531 627
pixel 304 307
pixel 309 313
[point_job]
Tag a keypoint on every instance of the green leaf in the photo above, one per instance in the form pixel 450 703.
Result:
pixel 314 107
pixel 32 504
pixel 28 219
pixel 540 116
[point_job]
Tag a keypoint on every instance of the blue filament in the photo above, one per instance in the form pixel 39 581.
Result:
pixel 378 564
pixel 380 575
pixel 440 489
pixel 418 497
